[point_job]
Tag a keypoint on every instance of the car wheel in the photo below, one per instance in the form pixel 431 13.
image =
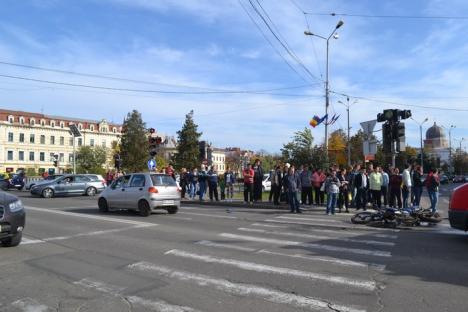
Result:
pixel 102 204
pixel 172 210
pixel 48 193
pixel 144 208
pixel 91 191
pixel 13 241
pixel 20 188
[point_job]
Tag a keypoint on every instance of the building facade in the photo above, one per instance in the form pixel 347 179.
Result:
pixel 218 159
pixel 436 144
pixel 30 140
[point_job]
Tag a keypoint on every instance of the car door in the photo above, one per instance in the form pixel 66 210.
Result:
pixel 80 184
pixel 64 186
pixel 118 192
pixel 134 191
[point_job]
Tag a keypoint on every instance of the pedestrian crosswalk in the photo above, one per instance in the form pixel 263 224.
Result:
pixel 261 261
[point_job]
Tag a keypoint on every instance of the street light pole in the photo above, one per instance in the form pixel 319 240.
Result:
pixel 421 139
pixel 450 147
pixel 349 128
pixel 327 89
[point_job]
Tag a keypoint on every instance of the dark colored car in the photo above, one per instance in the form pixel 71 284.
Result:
pixel 71 184
pixel 444 179
pixel 458 208
pixel 15 181
pixel 459 179
pixel 12 220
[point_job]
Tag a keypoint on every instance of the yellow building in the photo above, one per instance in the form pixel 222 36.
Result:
pixel 30 140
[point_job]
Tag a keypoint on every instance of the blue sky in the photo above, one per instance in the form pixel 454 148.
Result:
pixel 211 44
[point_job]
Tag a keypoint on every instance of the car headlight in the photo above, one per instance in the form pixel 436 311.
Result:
pixel 16 206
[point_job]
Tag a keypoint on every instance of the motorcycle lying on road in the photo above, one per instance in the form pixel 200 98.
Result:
pixel 392 217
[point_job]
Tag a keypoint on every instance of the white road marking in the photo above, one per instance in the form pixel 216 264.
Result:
pixel 269 225
pixel 87 216
pixel 301 235
pixel 95 233
pixel 251 266
pixel 306 219
pixel 208 215
pixel 330 225
pixel 348 263
pixel 29 305
pixel 182 218
pixel 156 305
pixel 243 290
pixel 219 245
pixel 308 245
pixel 27 241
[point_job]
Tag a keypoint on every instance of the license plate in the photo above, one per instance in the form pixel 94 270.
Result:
pixel 168 202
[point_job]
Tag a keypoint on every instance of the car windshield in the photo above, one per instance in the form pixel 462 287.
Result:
pixel 163 180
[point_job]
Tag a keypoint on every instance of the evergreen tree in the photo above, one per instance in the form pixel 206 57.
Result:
pixel 134 142
pixel 187 144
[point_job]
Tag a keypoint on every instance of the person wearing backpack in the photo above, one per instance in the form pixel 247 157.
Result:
pixel 432 183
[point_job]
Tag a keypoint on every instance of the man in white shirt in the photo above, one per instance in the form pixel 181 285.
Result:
pixel 406 185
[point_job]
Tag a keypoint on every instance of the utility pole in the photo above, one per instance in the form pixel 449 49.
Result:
pixel 349 128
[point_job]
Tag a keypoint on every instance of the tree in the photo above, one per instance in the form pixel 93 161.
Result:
pixel 460 162
pixel 337 147
pixel 90 159
pixel 356 142
pixel 268 160
pixel 134 142
pixel 161 162
pixel 187 144
pixel 299 150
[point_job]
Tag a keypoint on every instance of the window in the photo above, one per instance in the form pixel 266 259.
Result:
pixel 91 142
pixel 10 155
pixel 42 139
pixel 104 143
pixel 70 141
pixel 62 124
pixel 52 140
pixel 52 124
pixel 80 141
pixel 114 130
pixel 21 156
pixel 70 158
pixel 21 120
pixel 42 156
pixel 138 181
pixel 121 182
pixel 32 121
pixel 31 156
pixel 80 127
pixel 91 128
pixel 11 119
pixel 42 122
pixel 163 180
pixel 31 138
pixel 10 136
pixel 61 157
pixel 81 179
pixel 62 140
pixel 21 137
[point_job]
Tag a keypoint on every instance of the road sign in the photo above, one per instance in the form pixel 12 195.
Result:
pixel 368 127
pixel 369 157
pixel 151 164
pixel 369 147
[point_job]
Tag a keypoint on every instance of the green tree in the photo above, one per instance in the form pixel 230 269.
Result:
pixel 187 144
pixel 90 159
pixel 356 142
pixel 460 162
pixel 301 151
pixel 133 146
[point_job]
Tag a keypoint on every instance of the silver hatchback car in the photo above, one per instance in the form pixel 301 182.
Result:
pixel 143 192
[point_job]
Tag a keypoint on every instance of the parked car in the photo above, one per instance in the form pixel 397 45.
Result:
pixel 458 208
pixel 459 179
pixel 30 184
pixel 12 220
pixel 15 181
pixel 143 192
pixel 444 179
pixel 69 185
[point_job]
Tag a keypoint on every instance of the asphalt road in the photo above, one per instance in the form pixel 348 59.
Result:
pixel 203 259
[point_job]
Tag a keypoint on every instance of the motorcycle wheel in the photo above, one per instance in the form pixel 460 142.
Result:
pixel 431 218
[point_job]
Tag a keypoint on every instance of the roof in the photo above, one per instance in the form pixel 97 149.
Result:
pixel 435 132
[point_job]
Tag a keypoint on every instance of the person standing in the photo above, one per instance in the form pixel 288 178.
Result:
pixel 183 182
pixel 258 180
pixel 170 171
pixel 432 183
pixel 375 186
pixel 417 186
pixel 194 183
pixel 276 184
pixel 332 187
pixel 361 183
pixel 306 185
pixel 248 174
pixel 395 188
pixel 229 180
pixel 294 185
pixel 343 198
pixel 213 184
pixel 202 180
pixel 406 190
pixel 384 189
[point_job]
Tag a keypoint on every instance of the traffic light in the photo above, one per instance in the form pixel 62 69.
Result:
pixel 398 131
pixel 387 137
pixel 56 159
pixel 405 114
pixel 154 142
pixel 388 115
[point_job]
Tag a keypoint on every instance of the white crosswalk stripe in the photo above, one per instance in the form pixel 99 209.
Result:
pixel 243 290
pixel 301 235
pixel 29 305
pixel 328 225
pixel 308 245
pixel 307 219
pixel 250 266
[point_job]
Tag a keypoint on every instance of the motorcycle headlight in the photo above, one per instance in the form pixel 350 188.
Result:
pixel 16 206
